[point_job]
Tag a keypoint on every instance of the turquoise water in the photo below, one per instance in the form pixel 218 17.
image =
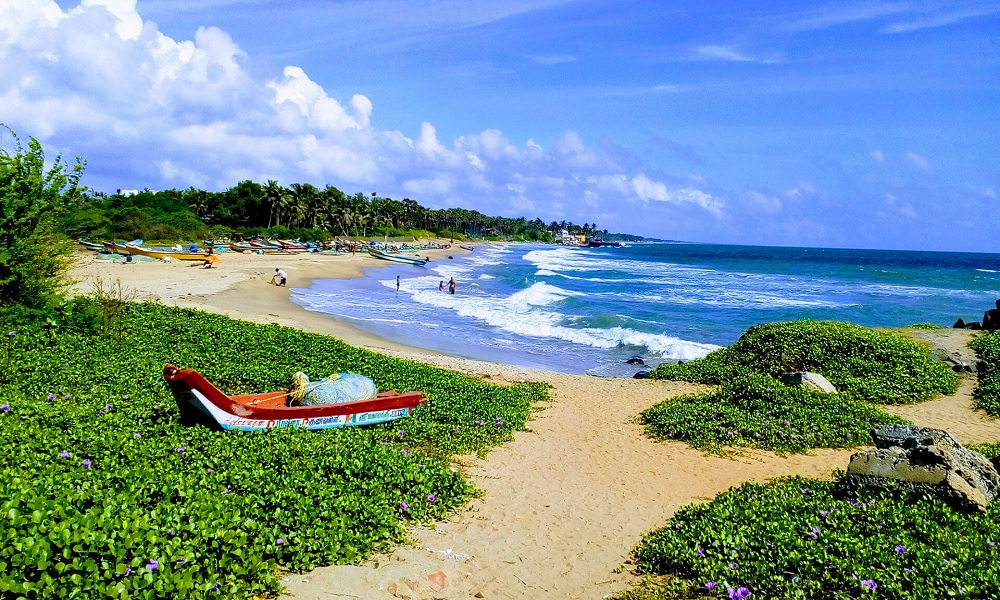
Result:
pixel 579 310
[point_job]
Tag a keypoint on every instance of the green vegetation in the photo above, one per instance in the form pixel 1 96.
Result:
pixel 757 411
pixel 987 393
pixel 929 326
pixel 867 364
pixel 105 494
pixel 753 409
pixel 298 211
pixel 807 538
pixel 32 200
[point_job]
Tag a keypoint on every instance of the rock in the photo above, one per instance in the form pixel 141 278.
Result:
pixel 641 375
pixel 932 459
pixel 973 325
pixel 809 381
pixel 959 366
pixel 959 324
pixel 635 360
pixel 991 319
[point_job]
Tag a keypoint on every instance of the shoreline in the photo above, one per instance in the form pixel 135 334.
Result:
pixel 238 286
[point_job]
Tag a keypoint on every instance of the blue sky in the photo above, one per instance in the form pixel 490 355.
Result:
pixel 852 124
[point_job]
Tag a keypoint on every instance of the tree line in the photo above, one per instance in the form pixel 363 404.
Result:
pixel 300 210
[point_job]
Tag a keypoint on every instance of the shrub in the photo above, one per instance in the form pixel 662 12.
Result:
pixel 106 494
pixel 929 326
pixel 876 366
pixel 806 538
pixel 32 201
pixel 757 411
pixel 987 392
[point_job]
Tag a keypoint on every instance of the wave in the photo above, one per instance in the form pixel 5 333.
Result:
pixel 987 271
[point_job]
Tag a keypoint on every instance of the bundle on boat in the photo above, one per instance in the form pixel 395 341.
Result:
pixel 201 402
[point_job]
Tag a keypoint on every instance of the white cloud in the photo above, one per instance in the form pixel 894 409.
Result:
pixel 878 156
pixel 938 20
pixel 918 161
pixel 148 110
pixel 726 53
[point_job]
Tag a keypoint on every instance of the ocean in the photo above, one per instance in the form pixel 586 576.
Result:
pixel 588 310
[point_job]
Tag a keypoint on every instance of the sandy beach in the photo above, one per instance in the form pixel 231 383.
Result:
pixel 563 504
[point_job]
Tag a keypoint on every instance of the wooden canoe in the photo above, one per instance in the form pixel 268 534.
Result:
pixel 201 402
pixel 161 254
pixel 406 260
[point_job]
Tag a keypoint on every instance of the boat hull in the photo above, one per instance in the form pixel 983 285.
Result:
pixel 159 254
pixel 201 402
pixel 406 260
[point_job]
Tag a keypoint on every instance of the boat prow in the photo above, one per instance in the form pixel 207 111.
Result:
pixel 201 402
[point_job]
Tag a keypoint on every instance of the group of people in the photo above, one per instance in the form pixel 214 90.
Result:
pixel 280 278
pixel 451 285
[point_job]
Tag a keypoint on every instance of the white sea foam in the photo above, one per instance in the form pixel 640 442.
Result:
pixel 986 271
pixel 485 276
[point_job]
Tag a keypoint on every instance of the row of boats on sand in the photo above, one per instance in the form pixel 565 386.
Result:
pixel 209 253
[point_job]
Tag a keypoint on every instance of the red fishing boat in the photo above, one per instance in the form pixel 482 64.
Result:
pixel 200 401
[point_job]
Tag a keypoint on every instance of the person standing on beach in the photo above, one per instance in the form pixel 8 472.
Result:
pixel 397 283
pixel 451 286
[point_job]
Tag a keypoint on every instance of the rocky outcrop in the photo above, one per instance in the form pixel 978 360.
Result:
pixel 991 319
pixel 809 381
pixel 929 458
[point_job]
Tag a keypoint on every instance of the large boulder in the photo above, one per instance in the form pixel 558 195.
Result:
pixel 809 381
pixel 929 458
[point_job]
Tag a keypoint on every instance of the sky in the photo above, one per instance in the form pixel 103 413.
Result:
pixel 844 124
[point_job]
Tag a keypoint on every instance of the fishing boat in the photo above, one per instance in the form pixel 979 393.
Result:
pixel 469 248
pixel 91 245
pixel 201 402
pixel 161 254
pixel 406 260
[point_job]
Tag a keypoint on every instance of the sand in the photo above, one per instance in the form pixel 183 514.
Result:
pixel 565 502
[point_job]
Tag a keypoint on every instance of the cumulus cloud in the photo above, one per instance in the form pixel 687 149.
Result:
pixel 148 110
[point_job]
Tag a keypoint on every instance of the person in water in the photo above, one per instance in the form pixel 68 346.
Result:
pixel 441 286
pixel 451 286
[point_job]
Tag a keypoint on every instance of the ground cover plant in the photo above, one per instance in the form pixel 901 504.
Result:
pixel 871 365
pixel 806 538
pixel 987 393
pixel 753 409
pixel 757 411
pixel 107 495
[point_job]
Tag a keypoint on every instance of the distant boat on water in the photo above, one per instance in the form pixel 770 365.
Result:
pixel 406 260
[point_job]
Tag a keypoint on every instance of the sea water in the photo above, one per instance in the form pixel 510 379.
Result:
pixel 588 310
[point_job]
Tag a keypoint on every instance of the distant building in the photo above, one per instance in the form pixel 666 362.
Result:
pixel 572 240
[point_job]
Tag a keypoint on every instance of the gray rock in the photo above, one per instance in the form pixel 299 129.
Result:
pixel 929 458
pixel 959 324
pixel 809 381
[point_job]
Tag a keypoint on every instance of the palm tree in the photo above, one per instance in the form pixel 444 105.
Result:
pixel 277 197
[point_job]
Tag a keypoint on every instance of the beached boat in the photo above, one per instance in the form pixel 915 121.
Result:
pixel 469 248
pixel 201 402
pixel 161 254
pixel 91 245
pixel 406 260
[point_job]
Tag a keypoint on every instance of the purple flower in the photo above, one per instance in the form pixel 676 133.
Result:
pixel 711 585
pixel 733 565
pixel 170 533
pixel 499 421
pixel 100 413
pixel 403 506
pixel 66 397
pixel 138 436
pixel 209 470
pixel 280 541
pixel 152 565
pixel 180 561
pixel 51 396
pixel 128 571
pixel 823 513
pixel 406 452
pixel 107 406
pixel 454 429
pixel 701 552
pixel 86 464
pixel 400 432
pixel 805 491
pixel 180 451
pixel 991 543
pixel 901 549
pixel 10 334
pixel 480 423
pixel 431 498
pixel 677 525
pixel 868 583
pixel 64 454
pixel 739 593
pixel 5 407
pixel 225 491
pixel 769 389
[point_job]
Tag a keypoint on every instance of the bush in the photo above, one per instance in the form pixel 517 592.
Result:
pixel 33 255
pixel 757 411
pixel 806 538
pixel 987 393
pixel 106 494
pixel 875 366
